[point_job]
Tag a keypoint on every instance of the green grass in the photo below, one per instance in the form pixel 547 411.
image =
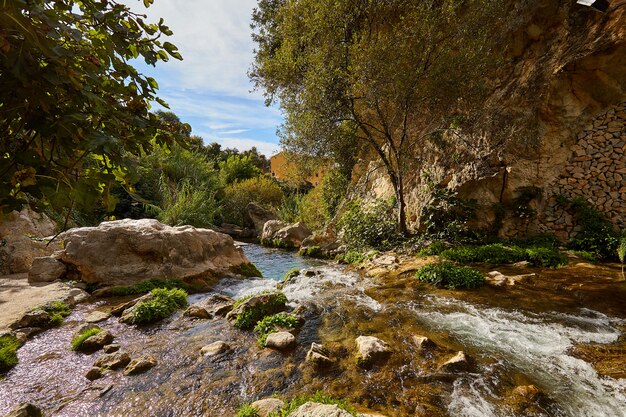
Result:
pixel 270 324
pixel 147 286
pixel 8 353
pixel 78 340
pixel 499 253
pixel 586 255
pixel 250 316
pixel 353 256
pixel 58 311
pixel 247 410
pixel 162 305
pixel 318 397
pixel 450 276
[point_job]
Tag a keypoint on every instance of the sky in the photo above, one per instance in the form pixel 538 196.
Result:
pixel 210 88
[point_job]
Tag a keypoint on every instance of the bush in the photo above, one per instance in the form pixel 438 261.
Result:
pixel 448 215
pixel 8 353
pixel 433 249
pixel 597 235
pixel 271 324
pixel 588 256
pixel 247 410
pixel 333 189
pixel 354 256
pixel 250 316
pixel 312 210
pixel 163 303
pixel 147 286
pixel 261 190
pixel 450 276
pixel 501 254
pixel 238 168
pixel 318 397
pixel 373 227
pixel 78 340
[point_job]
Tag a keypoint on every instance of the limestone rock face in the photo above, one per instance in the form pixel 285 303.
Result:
pixel 270 228
pixel 125 252
pixel 370 350
pixel 18 244
pixel 46 269
pixel 312 409
pixel 280 340
pixel 267 405
pixel 256 216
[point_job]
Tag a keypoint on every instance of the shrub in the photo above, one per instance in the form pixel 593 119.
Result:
pixel 188 205
pixel 433 249
pixel 318 397
pixel 247 410
pixel 353 256
pixel 501 254
pixel 588 256
pixel 448 215
pixel 78 340
pixel 238 168
pixel 312 210
pixel 163 303
pixel 450 276
pixel 539 256
pixel 597 235
pixel 250 316
pixel 8 352
pixel 147 286
pixel 544 241
pixel 373 226
pixel 333 190
pixel 261 190
pixel 270 324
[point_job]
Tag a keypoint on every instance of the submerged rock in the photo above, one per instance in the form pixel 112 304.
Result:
pixel 280 340
pixel 111 348
pixel 312 409
pixel 147 249
pixel 457 363
pixel 97 341
pixel 25 410
pixel 215 348
pixel 140 365
pixel 97 316
pixel 318 356
pixel 113 360
pixel 94 373
pixel 267 406
pixel 197 312
pixel 217 304
pixel 422 342
pixel 371 350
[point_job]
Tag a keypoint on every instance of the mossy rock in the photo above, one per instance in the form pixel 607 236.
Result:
pixel 247 270
pixel 249 310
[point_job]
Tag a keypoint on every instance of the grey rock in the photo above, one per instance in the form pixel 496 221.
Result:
pixel 312 409
pixel 46 269
pixel 371 350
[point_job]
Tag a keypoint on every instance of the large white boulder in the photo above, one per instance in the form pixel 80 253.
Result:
pixel 312 409
pixel 127 251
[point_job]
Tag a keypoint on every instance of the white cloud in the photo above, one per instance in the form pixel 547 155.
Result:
pixel 213 36
pixel 266 148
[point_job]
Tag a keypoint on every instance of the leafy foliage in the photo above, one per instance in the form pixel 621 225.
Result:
pixel 247 410
pixel 188 205
pixel 78 340
pixel 271 324
pixel 261 190
pixel 163 303
pixel 433 249
pixel 73 110
pixel 238 168
pixel 251 315
pixel 621 249
pixel 447 216
pixel 597 235
pixel 371 227
pixel 8 352
pixel 57 310
pixel 450 276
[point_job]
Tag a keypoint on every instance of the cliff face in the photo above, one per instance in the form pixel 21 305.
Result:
pixel 566 72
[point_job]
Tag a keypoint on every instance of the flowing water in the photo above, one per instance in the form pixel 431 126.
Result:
pixel 509 346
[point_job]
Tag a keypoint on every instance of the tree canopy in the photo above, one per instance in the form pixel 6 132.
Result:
pixel 384 74
pixel 73 109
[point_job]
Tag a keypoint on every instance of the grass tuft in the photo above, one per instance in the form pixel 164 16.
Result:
pixel 8 353
pixel 163 303
pixel 318 397
pixel 247 410
pixel 450 276
pixel 78 340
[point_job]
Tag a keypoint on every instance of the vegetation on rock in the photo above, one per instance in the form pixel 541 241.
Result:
pixel 505 254
pixel 450 276
pixel 271 324
pixel 247 270
pixel 57 310
pixel 164 302
pixel 8 352
pixel 147 286
pixel 78 340
pixel 250 315
pixel 319 397
pixel 246 410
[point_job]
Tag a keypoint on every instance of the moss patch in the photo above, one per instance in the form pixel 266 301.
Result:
pixel 8 353
pixel 58 311
pixel 247 270
pixel 78 340
pixel 312 251
pixel 146 286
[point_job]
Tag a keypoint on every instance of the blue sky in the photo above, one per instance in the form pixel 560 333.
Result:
pixel 210 88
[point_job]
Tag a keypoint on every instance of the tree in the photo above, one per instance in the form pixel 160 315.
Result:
pixel 73 109
pixel 387 74
pixel 238 168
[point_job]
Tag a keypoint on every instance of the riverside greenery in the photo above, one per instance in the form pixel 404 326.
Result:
pixel 505 254
pixel 80 338
pixel 8 352
pixel 450 276
pixel 271 324
pixel 252 315
pixel 163 303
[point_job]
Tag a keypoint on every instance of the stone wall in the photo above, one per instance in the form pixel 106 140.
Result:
pixel 595 171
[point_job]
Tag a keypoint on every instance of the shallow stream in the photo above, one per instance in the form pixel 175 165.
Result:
pixel 510 345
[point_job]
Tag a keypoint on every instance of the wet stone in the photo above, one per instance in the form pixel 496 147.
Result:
pixel 280 340
pixel 113 360
pixel 267 406
pixel 457 363
pixel 140 365
pixel 97 316
pixel 371 350
pixel 97 341
pixel 318 356
pixel 111 348
pixel 25 410
pixel 94 373
pixel 215 348
pixel 197 312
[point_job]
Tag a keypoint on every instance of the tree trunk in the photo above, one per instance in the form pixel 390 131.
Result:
pixel 398 187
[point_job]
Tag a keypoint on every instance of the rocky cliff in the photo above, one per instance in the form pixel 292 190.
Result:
pixel 565 73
